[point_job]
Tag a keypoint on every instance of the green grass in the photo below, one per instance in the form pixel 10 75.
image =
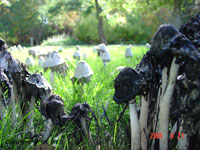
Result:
pixel 97 93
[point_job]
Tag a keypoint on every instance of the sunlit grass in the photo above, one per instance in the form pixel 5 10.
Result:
pixel 98 93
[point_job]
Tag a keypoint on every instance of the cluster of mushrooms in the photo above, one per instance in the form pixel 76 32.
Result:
pixel 167 80
pixel 20 88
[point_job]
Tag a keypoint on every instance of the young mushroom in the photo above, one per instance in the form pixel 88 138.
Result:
pixel 29 61
pixel 83 73
pixel 128 52
pixel 77 55
pixel 128 84
pixel 103 53
pixel 56 63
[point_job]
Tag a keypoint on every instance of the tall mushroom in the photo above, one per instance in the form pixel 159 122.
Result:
pixel 35 88
pixel 56 63
pixel 128 84
pixel 29 61
pixel 77 55
pixel 83 73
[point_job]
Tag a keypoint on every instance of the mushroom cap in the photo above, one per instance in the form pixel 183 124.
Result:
pixel 128 52
pixel 76 54
pixel 85 56
pixel 19 47
pixel 29 61
pixel 102 48
pixel 128 84
pixel 53 108
pixel 3 45
pixel 32 52
pixel 40 61
pixel 77 47
pixel 9 63
pixel 105 56
pixel 36 85
pixel 169 42
pixel 53 60
pixel 83 70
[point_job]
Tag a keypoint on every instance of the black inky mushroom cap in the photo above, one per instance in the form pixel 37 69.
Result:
pixel 128 84
pixel 169 42
pixel 53 108
pixel 191 28
pixel 3 45
pixel 4 87
pixel 37 86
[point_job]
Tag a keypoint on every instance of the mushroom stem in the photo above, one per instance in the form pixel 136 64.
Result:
pixel 183 142
pixel 135 128
pixel 13 108
pixel 48 129
pixel 143 121
pixel 87 133
pixel 30 116
pixel 165 105
pixel 105 63
pixel 52 78
pixel 1 109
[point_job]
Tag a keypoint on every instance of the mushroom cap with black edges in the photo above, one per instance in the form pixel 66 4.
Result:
pixel 169 42
pixel 128 84
pixel 128 52
pixel 3 45
pixel 76 55
pixel 36 85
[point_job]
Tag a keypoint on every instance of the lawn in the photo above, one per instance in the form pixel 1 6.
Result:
pixel 98 94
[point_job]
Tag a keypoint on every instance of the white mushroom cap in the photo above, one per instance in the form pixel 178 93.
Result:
pixel 85 56
pixel 102 47
pixel 77 47
pixel 40 61
pixel 53 59
pixel 105 56
pixel 83 70
pixel 29 61
pixel 128 52
pixel 19 47
pixel 148 45
pixel 76 54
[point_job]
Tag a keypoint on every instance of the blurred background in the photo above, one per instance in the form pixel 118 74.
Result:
pixel 70 22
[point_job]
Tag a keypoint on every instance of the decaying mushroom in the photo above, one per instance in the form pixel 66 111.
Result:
pixel 53 110
pixel 128 52
pixel 3 45
pixel 79 115
pixel 36 88
pixel 128 84
pixel 29 61
pixel 83 73
pixel 56 63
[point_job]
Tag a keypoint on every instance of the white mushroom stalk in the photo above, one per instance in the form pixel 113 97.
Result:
pixel 135 127
pixel 165 104
pixel 57 64
pixel 143 121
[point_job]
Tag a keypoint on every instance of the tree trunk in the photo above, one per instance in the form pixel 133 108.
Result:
pixel 100 23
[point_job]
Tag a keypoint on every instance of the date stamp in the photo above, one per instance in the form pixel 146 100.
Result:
pixel 172 136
